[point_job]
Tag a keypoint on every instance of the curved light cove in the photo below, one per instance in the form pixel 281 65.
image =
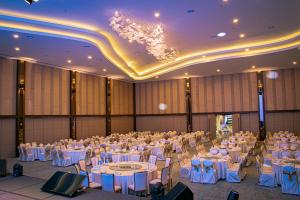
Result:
pixel 109 47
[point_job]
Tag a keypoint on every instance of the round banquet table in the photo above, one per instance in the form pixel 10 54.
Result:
pixel 123 177
pixel 75 155
pixel 124 156
pixel 37 151
pixel 220 164
pixel 277 169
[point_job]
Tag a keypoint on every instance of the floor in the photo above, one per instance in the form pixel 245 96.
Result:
pixel 36 173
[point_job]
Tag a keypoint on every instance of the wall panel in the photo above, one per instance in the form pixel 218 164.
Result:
pixel 121 124
pixel 161 123
pixel 8 138
pixel 90 126
pixel 200 123
pixel 47 90
pixel 121 98
pixel 8 74
pixel 224 93
pixel 281 121
pixel 90 95
pixel 46 130
pixel 282 92
pixel 249 122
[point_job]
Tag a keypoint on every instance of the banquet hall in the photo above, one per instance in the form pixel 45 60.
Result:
pixel 124 99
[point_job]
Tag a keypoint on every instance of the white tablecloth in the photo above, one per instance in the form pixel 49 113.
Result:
pixel 123 157
pixel 124 178
pixel 75 155
pixel 36 151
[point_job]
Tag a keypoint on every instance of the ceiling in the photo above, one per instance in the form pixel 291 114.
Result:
pixel 55 31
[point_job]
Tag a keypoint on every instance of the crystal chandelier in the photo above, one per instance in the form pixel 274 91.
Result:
pixel 152 36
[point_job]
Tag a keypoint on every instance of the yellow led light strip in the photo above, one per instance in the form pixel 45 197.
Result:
pixel 113 52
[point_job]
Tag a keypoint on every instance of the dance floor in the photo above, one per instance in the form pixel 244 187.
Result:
pixel 36 173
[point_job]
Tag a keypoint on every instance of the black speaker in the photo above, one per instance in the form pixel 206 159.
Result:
pixel 3 167
pixel 233 195
pixel 17 170
pixel 180 192
pixel 64 183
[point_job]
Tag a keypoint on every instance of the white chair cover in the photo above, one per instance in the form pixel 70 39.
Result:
pixel 209 173
pixel 196 171
pixel 289 183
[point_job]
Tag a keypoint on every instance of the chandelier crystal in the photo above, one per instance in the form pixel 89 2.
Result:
pixel 152 36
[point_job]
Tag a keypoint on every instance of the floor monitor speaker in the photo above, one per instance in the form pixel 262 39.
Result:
pixel 2 167
pixel 179 192
pixel 64 183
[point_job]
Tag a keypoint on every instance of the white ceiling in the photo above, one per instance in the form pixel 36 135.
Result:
pixel 187 32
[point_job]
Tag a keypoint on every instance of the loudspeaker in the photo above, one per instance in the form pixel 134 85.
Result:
pixel 64 183
pixel 180 192
pixel 2 167
pixel 233 195
pixel 17 170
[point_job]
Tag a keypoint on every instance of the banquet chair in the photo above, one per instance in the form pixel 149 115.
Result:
pixel 209 172
pixel 116 158
pixel 152 159
pixel 95 161
pixel 22 156
pixel 64 160
pixel 266 175
pixel 140 183
pixel 87 183
pixel 196 171
pixel 135 158
pixel 234 173
pixel 82 165
pixel 108 183
pixel 289 183
pixel 28 154
pixel 44 154
pixel 163 179
pixel 286 154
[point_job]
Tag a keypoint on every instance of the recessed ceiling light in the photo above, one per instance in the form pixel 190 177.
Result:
pixel 203 56
pixel 104 70
pixel 30 1
pixel 16 36
pixel 218 70
pixel 156 76
pixel 253 67
pixel 247 49
pixel 157 14
pixel 242 35
pixel 294 62
pixel 69 61
pixel 186 73
pixel 221 34
pixel 90 57
pixel 17 49
pixel 235 20
pixel 225 1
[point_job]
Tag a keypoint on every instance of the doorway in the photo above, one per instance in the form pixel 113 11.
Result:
pixel 223 125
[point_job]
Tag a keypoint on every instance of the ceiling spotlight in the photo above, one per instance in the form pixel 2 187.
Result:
pixel 221 34
pixel 90 57
pixel 218 70
pixel 225 1
pixel 156 76
pixel 203 56
pixel 157 14
pixel 17 49
pixel 186 73
pixel 235 20
pixel 242 35
pixel 69 61
pixel 253 67
pixel 247 49
pixel 294 62
pixel 16 36
pixel 104 70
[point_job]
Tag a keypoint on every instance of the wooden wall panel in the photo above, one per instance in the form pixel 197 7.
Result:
pixel 8 74
pixel 47 90
pixel 249 122
pixel 281 121
pixel 90 95
pixel 200 123
pixel 150 94
pixel 90 126
pixel 121 98
pixel 121 124
pixel 46 130
pixel 225 93
pixel 283 92
pixel 161 123
pixel 8 138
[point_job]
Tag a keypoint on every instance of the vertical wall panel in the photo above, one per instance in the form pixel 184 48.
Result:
pixel 47 90
pixel 90 126
pixel 90 98
pixel 8 71
pixel 121 124
pixel 151 94
pixel 200 122
pixel 8 138
pixel 122 98
pixel 161 123
pixel 46 130
pixel 297 88
pixel 249 122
